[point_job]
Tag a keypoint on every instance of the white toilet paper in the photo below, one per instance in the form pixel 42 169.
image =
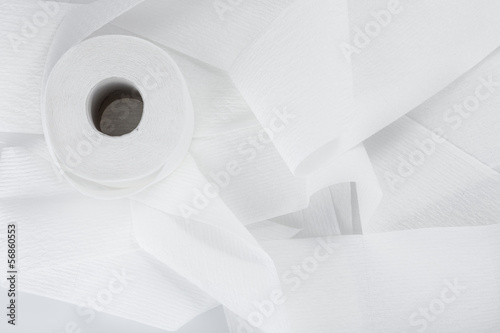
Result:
pixel 284 57
pixel 430 280
pixel 110 166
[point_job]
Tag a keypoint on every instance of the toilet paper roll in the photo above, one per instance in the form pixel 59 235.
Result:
pixel 113 77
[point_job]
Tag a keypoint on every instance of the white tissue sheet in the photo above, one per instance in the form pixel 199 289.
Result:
pixel 429 280
pixel 24 50
pixel 236 278
pixel 466 112
pixel 24 174
pixel 387 79
pixel 422 189
pixel 391 76
pixel 114 284
pixel 419 49
pixel 263 121
pixel 72 246
pixel 434 166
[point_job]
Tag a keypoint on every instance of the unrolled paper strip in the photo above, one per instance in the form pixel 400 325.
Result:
pixel 287 68
pixel 430 280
